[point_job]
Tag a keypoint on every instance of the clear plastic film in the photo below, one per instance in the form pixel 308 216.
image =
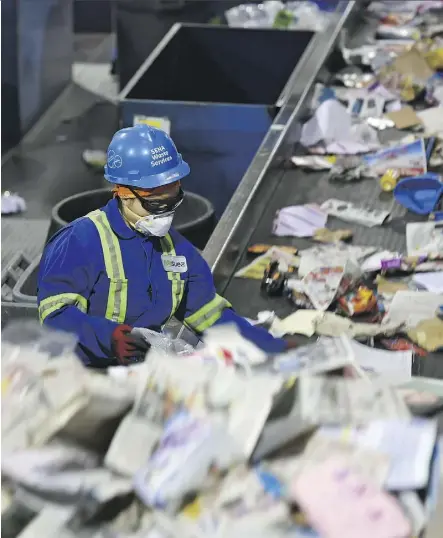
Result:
pixel 163 342
pixel 276 14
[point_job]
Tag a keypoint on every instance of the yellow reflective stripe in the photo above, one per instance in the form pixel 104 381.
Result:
pixel 55 302
pixel 118 285
pixel 177 284
pixel 208 314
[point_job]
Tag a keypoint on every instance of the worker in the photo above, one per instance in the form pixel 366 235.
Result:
pixel 123 266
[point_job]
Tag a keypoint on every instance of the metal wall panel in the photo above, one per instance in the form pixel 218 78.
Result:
pixel 45 54
pixel 10 106
pixel 37 54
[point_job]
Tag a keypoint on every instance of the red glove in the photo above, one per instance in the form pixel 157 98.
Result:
pixel 290 344
pixel 127 347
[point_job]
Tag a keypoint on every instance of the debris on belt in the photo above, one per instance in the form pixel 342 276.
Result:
pixel 94 158
pixel 227 441
pixel 299 220
pixel 323 235
pixel 12 203
pixel 259 248
pixel 282 15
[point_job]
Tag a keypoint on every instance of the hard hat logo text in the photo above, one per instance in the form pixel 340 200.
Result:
pixel 114 161
pixel 160 156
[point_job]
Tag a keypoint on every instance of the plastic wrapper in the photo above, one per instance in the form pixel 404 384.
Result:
pixel 187 450
pixel 387 31
pixel 276 14
pixel 165 343
pixel 359 301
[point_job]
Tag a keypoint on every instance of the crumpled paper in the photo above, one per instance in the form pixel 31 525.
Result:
pixel 428 334
pixel 12 203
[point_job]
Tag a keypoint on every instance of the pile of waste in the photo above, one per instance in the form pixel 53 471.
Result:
pixel 217 442
pixel 379 122
pixel 294 15
pixel 381 117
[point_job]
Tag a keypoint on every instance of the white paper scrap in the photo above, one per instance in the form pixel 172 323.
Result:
pixel 331 122
pixel 424 238
pixel 299 220
pixel 300 322
pixel 396 365
pixel 410 446
pixel 330 256
pixel 411 307
pixel 432 282
pixel 12 203
pixel 332 125
pixel 432 119
pixel 351 213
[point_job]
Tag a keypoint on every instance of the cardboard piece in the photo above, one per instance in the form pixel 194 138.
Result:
pixel 412 63
pixel 404 118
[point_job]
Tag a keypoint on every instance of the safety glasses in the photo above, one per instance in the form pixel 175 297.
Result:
pixel 160 206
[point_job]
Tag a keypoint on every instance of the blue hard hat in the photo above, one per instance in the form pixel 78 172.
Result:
pixel 144 157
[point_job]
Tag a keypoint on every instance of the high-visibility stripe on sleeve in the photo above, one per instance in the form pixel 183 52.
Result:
pixel 118 285
pixel 177 284
pixel 208 314
pixel 55 302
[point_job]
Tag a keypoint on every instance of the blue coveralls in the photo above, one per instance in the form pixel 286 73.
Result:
pixel 97 273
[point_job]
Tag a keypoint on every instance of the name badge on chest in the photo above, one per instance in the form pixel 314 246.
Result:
pixel 174 264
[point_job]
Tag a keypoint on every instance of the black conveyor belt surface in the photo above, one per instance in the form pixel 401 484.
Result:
pixel 293 187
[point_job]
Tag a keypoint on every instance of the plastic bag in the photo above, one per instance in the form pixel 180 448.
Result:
pixel 162 342
pixel 275 14
pixel 188 448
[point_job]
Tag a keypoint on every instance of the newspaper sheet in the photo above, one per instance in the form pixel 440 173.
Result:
pixel 325 400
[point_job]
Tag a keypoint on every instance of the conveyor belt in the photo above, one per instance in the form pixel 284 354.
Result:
pixel 295 187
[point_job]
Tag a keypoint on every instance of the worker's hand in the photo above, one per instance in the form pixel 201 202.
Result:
pixel 290 344
pixel 128 347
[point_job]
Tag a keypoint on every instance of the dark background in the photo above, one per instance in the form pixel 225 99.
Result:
pixel 37 53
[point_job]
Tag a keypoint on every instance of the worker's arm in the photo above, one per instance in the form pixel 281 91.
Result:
pixel 65 281
pixel 201 307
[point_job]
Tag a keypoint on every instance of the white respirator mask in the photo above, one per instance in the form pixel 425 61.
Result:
pixel 157 225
